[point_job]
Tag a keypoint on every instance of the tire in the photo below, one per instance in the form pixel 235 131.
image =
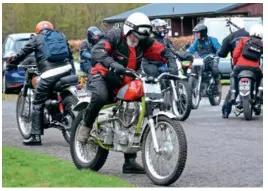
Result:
pixel 193 83
pixel 4 84
pixel 180 163
pixel 24 134
pixel 101 154
pixel 215 100
pixel 68 102
pixel 247 108
pixel 187 101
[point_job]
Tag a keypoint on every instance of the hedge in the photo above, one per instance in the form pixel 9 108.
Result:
pixel 179 43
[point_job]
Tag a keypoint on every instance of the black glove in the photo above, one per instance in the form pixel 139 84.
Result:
pixel 118 68
pixel 185 56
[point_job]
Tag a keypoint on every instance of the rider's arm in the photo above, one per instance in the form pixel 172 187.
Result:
pixel 28 49
pixel 237 51
pixel 215 43
pixel 101 52
pixel 225 48
pixel 154 50
pixel 84 51
pixel 193 48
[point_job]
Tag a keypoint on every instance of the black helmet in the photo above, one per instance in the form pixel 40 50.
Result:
pixel 93 34
pixel 202 29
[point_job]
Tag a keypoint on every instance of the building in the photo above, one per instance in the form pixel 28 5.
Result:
pixel 182 17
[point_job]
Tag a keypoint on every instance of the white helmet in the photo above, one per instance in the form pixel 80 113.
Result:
pixel 139 24
pixel 239 22
pixel 257 31
pixel 156 23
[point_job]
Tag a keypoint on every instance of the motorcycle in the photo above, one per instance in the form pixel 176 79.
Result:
pixel 202 82
pixel 247 100
pixel 129 125
pixel 178 96
pixel 58 108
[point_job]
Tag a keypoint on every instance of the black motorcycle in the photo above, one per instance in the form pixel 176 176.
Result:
pixel 247 99
pixel 58 108
pixel 202 82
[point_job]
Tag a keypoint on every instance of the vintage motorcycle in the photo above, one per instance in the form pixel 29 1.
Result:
pixel 129 125
pixel 58 108
pixel 202 82
pixel 247 100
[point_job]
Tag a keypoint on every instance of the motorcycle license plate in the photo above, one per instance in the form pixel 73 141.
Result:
pixel 152 88
pixel 244 88
pixel 198 62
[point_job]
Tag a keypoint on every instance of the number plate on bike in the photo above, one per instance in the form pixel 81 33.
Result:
pixel 152 88
pixel 198 62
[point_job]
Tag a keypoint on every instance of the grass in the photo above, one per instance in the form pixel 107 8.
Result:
pixel 9 97
pixel 22 168
pixel 225 82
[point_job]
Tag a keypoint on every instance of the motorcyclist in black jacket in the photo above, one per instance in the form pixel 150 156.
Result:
pixel 160 32
pixel 50 74
pixel 237 29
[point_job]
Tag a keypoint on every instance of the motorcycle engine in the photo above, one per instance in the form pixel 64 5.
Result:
pixel 124 128
pixel 128 113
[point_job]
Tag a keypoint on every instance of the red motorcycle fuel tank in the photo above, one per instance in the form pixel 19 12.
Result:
pixel 131 91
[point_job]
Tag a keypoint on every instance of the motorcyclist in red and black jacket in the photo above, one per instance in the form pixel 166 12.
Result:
pixel 121 49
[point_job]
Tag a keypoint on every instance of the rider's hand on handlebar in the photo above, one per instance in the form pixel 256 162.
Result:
pixel 118 68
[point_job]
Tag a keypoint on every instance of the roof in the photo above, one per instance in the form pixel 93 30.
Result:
pixel 176 9
pixel 18 36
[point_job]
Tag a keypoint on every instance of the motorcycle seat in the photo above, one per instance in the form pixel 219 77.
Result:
pixel 66 82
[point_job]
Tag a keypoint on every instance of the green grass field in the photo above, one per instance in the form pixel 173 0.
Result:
pixel 22 168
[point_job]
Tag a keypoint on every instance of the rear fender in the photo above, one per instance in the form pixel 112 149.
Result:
pixel 244 87
pixel 71 89
pixel 82 104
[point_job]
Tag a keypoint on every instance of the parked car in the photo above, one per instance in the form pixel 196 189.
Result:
pixel 13 79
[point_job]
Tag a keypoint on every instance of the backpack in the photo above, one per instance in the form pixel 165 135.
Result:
pixel 55 48
pixel 253 49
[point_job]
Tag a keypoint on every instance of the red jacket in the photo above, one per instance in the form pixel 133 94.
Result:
pixel 238 59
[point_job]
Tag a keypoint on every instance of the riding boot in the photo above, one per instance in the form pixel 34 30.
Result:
pixel 34 140
pixel 233 89
pixel 260 90
pixel 131 166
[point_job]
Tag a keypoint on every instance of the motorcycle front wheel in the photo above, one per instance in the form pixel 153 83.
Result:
pixel 24 117
pixel 196 97
pixel 182 108
pixel 165 167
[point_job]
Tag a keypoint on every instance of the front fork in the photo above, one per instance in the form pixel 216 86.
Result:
pixel 174 90
pixel 24 94
pixel 149 110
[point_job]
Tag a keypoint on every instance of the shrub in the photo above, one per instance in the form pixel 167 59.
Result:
pixel 178 42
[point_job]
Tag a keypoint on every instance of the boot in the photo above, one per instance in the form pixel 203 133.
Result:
pixel 83 134
pixel 233 89
pixel 260 90
pixel 225 114
pixel 181 74
pixel 131 166
pixel 34 140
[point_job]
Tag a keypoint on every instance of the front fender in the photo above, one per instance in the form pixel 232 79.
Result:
pixel 167 114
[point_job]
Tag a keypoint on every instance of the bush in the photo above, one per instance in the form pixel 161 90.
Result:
pixel 179 43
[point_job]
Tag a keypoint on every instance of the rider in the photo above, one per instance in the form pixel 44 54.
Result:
pixel 237 29
pixel 205 45
pixel 93 36
pixel 241 63
pixel 51 72
pixel 160 32
pixel 120 49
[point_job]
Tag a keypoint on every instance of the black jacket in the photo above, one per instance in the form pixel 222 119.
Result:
pixel 230 42
pixel 114 48
pixel 35 45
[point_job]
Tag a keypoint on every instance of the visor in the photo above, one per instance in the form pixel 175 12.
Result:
pixel 141 30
